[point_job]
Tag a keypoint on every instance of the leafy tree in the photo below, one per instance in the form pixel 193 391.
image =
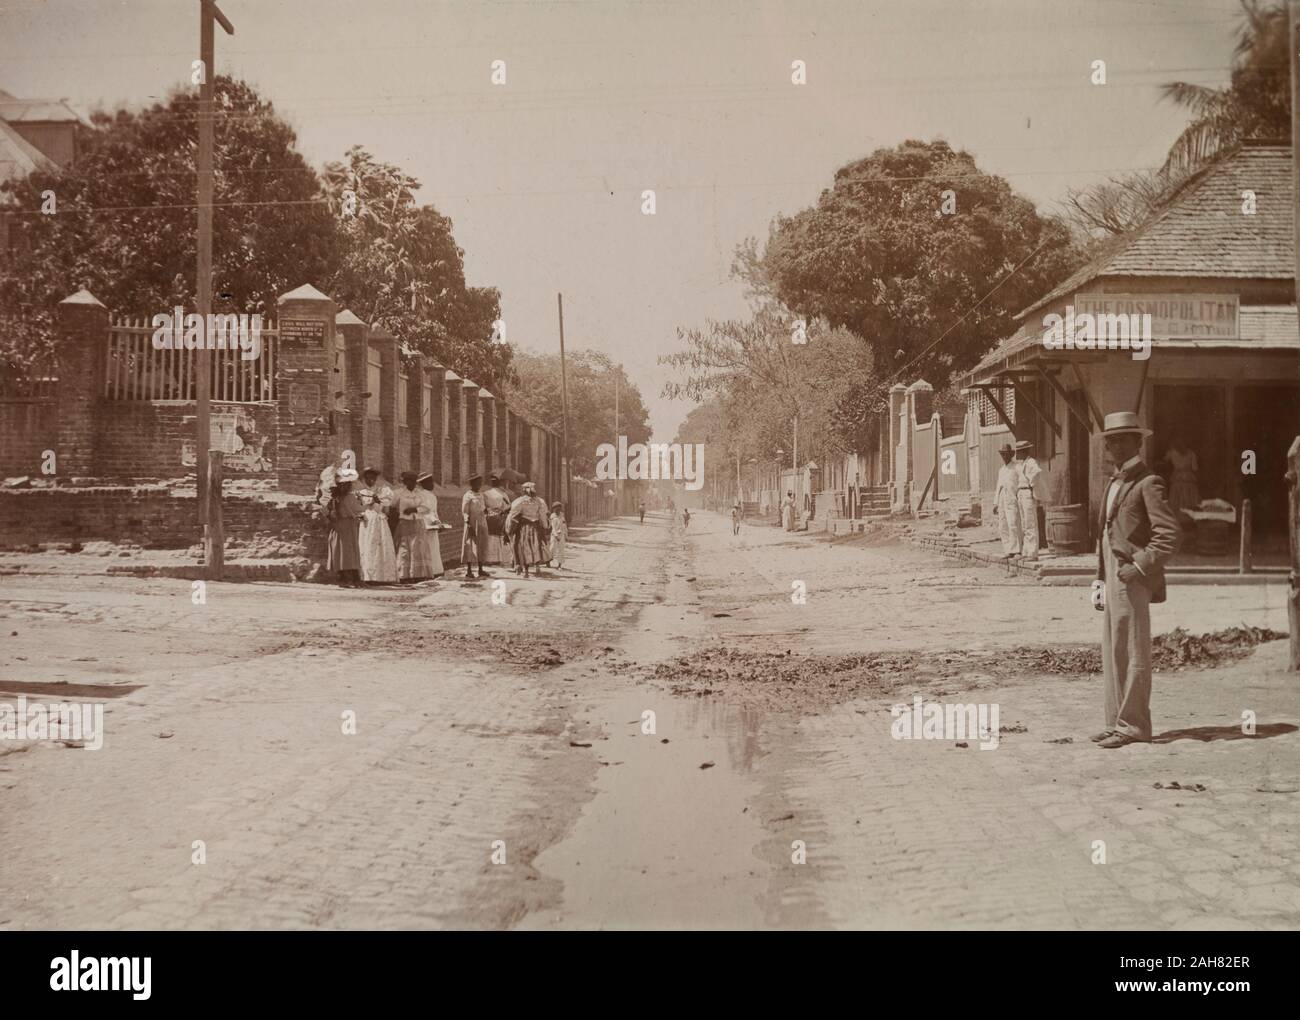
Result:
pixel 592 378
pixel 1256 102
pixel 124 223
pixel 879 256
pixel 401 268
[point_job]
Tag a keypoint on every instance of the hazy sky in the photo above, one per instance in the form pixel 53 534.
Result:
pixel 543 176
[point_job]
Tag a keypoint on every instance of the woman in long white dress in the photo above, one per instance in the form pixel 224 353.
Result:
pixel 378 557
pixel 433 525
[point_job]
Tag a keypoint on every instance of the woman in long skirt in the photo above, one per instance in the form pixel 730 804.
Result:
pixel 345 525
pixel 414 556
pixel 527 525
pixel 378 558
pixel 433 525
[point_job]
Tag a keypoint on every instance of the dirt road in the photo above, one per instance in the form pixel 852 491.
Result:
pixel 686 729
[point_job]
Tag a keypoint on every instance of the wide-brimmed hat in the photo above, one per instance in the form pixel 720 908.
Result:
pixel 475 478
pixel 346 475
pixel 426 477
pixel 372 471
pixel 1024 444
pixel 1118 423
pixel 557 505
pixel 1006 448
pixel 530 485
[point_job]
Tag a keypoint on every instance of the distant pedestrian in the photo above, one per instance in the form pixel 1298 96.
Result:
pixel 378 557
pixel 735 518
pixel 474 542
pixel 787 510
pixel 1006 507
pixel 527 525
pixel 640 509
pixel 559 535
pixel 345 513
pixel 1027 498
pixel 686 517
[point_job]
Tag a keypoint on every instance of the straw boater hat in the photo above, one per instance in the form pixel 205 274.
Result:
pixel 428 475
pixel 346 475
pixel 1120 422
pixel 1024 444
pixel 1006 448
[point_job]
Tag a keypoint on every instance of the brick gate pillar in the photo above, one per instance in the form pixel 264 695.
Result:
pixel 455 429
pixel 351 333
pixel 389 377
pixel 304 385
pixel 83 348
pixel 469 394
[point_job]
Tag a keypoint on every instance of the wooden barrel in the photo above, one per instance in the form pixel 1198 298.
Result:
pixel 1067 528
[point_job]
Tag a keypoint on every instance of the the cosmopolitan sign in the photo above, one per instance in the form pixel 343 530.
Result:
pixel 1173 316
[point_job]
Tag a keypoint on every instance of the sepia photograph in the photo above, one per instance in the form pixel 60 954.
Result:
pixel 483 466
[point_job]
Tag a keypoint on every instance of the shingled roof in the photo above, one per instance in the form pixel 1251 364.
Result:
pixel 1201 232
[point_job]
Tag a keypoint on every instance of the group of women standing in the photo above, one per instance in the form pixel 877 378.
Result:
pixel 382 535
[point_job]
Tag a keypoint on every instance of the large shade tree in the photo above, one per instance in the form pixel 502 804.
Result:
pixel 913 243
pixel 122 222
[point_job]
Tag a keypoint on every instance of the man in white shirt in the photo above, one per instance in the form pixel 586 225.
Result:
pixel 1027 499
pixel 1139 534
pixel 1006 506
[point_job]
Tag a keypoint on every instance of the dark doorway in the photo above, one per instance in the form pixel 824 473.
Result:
pixel 1196 415
pixel 1266 420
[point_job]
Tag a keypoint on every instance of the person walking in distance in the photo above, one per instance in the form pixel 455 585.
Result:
pixel 559 534
pixel 1027 499
pixel 686 517
pixel 640 509
pixel 1139 533
pixel 735 518
pixel 1006 507
pixel 528 524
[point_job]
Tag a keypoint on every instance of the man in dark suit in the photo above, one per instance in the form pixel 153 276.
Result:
pixel 1139 533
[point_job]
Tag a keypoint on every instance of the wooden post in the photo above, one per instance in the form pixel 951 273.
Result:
pixel 214 532
pixel 1293 522
pixel 1245 563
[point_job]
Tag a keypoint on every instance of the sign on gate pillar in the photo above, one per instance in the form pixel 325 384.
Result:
pixel 305 384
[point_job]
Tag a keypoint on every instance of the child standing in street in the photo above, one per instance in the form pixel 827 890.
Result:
pixel 559 534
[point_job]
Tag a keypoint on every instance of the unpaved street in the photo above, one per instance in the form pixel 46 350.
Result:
pixel 770 792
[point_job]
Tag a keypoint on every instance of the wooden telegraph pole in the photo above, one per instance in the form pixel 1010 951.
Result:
pixel 618 378
pixel 209 14
pixel 1293 455
pixel 564 407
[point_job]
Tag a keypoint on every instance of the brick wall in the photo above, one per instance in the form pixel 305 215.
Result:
pixel 146 439
pixel 27 429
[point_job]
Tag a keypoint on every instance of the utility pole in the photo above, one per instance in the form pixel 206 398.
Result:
pixel 617 381
pixel 564 407
pixel 209 13
pixel 1293 455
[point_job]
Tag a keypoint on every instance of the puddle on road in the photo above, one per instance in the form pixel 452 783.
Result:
pixel 665 843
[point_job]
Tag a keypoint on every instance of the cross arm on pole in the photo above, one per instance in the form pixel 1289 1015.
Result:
pixel 210 8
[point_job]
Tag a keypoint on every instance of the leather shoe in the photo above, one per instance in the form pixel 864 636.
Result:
pixel 1097 738
pixel 1117 740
